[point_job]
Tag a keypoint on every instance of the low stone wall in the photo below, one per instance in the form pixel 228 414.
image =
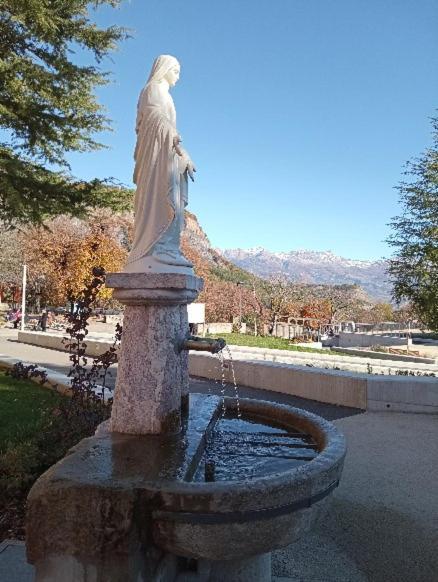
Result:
pixel 54 380
pixel 217 328
pixel 385 356
pixel 315 345
pixel 341 388
pixel 402 394
pixel 95 346
pixel 365 391
pixel 366 340
pixel 254 369
pixel 330 360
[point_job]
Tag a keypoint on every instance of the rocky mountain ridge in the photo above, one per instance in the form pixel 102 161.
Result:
pixel 314 267
pixel 304 266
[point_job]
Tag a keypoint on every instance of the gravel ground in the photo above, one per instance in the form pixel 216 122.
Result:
pixel 382 525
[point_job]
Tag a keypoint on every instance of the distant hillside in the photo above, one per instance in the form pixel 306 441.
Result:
pixel 208 262
pixel 312 267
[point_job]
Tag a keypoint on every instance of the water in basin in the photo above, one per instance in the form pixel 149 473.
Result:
pixel 247 447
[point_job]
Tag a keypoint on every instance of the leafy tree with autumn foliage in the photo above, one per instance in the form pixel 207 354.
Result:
pixel 64 252
pixel 315 309
pixel 343 301
pixel 96 249
pixel 377 313
pixel 277 296
pixel 225 301
pixel 48 107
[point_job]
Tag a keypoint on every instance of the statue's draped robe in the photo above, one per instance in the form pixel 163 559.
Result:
pixel 161 188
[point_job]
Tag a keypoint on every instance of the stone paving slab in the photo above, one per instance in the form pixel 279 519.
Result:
pixel 13 565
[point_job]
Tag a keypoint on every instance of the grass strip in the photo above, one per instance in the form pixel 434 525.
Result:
pixel 274 343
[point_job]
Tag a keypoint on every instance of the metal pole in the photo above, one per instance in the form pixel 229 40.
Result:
pixel 23 297
pixel 255 312
pixel 240 309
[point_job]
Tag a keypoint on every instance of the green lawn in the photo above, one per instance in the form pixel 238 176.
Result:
pixel 24 409
pixel 240 339
pixel 37 427
pixel 28 446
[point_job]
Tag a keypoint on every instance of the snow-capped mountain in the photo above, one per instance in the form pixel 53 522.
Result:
pixel 320 267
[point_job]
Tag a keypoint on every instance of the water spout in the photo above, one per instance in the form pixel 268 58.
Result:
pixel 202 344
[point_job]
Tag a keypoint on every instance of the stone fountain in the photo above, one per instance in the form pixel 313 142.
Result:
pixel 176 487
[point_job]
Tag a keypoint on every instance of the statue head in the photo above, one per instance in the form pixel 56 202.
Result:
pixel 166 68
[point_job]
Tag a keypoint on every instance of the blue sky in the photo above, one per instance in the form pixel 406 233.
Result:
pixel 299 114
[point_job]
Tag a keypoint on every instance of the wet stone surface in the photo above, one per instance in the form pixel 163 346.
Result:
pixel 114 491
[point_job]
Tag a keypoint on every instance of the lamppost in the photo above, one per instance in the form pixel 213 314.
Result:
pixel 23 297
pixel 239 284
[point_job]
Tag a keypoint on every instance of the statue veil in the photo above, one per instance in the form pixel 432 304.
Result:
pixel 161 66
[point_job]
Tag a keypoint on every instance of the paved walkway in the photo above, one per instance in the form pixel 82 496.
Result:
pixel 59 361
pixel 383 522
pixel 382 525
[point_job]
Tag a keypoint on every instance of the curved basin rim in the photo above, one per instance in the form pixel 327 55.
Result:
pixel 334 451
pixel 329 462
pixel 243 516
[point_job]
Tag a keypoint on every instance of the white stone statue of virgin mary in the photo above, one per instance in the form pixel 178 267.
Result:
pixel 161 174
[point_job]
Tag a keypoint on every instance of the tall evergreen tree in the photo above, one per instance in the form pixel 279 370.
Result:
pixel 48 107
pixel 414 267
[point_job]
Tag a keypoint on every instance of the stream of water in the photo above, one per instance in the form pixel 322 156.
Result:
pixel 223 380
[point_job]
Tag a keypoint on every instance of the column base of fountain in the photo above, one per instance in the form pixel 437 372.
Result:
pixel 153 568
pixel 152 374
pixel 255 569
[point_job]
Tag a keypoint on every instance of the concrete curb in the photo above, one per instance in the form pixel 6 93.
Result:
pixel 343 388
pixel 385 356
pixel 98 345
pixel 55 380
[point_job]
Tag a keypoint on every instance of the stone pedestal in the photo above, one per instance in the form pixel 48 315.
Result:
pixel 254 569
pixel 152 374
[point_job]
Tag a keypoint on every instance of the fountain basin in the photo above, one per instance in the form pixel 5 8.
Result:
pixel 119 495
pixel 238 518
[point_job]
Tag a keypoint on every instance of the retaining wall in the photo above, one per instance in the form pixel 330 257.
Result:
pixel 366 340
pixel 385 356
pixel 339 388
pixel 365 391
pixel 329 360
pixel 95 346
